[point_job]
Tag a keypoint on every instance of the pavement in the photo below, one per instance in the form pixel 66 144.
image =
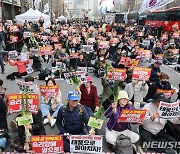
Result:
pixel 64 87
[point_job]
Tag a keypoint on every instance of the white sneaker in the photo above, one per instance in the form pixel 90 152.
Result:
pixel 52 122
pixel 46 120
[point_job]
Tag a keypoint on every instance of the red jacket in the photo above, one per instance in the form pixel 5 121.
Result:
pixel 21 66
pixel 91 100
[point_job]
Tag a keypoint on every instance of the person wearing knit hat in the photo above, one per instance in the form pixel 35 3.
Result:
pixel 114 126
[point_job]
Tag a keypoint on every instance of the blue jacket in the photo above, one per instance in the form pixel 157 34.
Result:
pixel 72 122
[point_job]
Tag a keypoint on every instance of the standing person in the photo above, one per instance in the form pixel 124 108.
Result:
pixel 71 119
pixel 114 127
pixel 3 90
pixel 51 104
pixel 21 66
pixel 2 45
pixel 89 96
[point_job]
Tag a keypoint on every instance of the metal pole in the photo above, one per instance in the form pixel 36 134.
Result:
pixel 12 9
pixel 2 8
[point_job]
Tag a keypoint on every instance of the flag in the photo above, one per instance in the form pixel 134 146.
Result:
pixel 151 5
pixel 46 8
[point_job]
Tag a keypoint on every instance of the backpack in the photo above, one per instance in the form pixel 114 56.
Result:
pixel 124 145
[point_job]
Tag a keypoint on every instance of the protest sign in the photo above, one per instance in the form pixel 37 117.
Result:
pixel 169 110
pixel 125 61
pixel 91 40
pixel 73 55
pixel 159 57
pixel 49 91
pixel 82 69
pixel 25 120
pixel 150 37
pixel 141 73
pixel 54 39
pixel 14 103
pixel 57 46
pixel 95 123
pixel 116 74
pixel 146 43
pixel 86 143
pixel 140 34
pixel 61 65
pixel 104 44
pixel 88 48
pixel 26 34
pixel 132 116
pixel 134 62
pixel 13 55
pixel 25 86
pixel 13 39
pixel 47 144
pixel 167 93
pixel 14 29
pixel 29 69
pixel 81 75
pixel 47 50
pixel 146 54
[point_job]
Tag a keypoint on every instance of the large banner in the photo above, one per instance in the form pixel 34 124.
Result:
pixel 49 91
pixel 169 110
pixel 116 74
pixel 14 103
pixel 86 143
pixel 25 86
pixel 47 144
pixel 141 73
pixel 132 116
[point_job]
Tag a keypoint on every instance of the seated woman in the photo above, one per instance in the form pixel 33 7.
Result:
pixel 116 128
pixel 50 104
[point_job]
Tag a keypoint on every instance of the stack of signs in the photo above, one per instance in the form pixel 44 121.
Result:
pixel 14 103
pixel 25 86
pixel 81 75
pixel 49 91
pixel 132 116
pixel 88 48
pixel 141 73
pixel 26 34
pixel 47 50
pixel 116 74
pixel 13 55
pixel 14 29
pixel 47 144
pixel 95 123
pixel 13 39
pixel 167 93
pixel 86 143
pixel 169 110
pixel 104 45
pixel 159 57
pixel 57 46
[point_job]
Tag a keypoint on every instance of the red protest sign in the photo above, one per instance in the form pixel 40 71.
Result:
pixel 141 73
pixel 134 62
pixel 14 29
pixel 104 44
pixel 46 50
pixel 13 39
pixel 116 74
pixel 57 46
pixel 54 39
pixel 159 57
pixel 73 55
pixel 132 116
pixel 47 144
pixel 146 54
pixel 49 91
pixel 14 103
pixel 125 61
pixel 167 93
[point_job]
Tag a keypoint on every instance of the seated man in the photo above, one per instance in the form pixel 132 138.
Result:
pixel 152 127
pixel 71 119
pixel 169 56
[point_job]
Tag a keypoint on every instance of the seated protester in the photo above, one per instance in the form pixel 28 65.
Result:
pixel 162 83
pixel 71 119
pixel 3 94
pixel 114 127
pixel 89 96
pixel 46 66
pixel 3 125
pixel 155 72
pixel 152 127
pixel 36 64
pixel 157 49
pixel 21 66
pixel 169 56
pixel 137 90
pixel 20 142
pixel 116 58
pixel 81 61
pixel 99 67
pixel 50 104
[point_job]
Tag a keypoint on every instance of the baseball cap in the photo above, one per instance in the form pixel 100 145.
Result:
pixel 73 95
pixel 159 97
pixel 88 79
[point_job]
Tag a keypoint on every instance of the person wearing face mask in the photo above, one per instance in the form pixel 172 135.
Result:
pixel 137 90
pixel 157 49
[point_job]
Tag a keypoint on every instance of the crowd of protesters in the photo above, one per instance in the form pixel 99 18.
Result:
pixel 71 37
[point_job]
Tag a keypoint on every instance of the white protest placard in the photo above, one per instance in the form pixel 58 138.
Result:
pixel 29 69
pixel 25 86
pixel 61 65
pixel 169 110
pixel 82 69
pixel 13 55
pixel 88 48
pixel 27 34
pixel 86 143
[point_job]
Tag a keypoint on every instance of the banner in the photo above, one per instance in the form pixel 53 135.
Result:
pixel 49 91
pixel 104 44
pixel 80 74
pixel 13 39
pixel 86 143
pixel 141 73
pixel 88 48
pixel 14 29
pixel 46 50
pixel 95 123
pixel 57 46
pixel 13 55
pixel 167 93
pixel 25 86
pixel 47 144
pixel 132 116
pixel 14 103
pixel 116 74
pixel 169 110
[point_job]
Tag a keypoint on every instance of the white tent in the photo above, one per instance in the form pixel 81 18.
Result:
pixel 33 15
